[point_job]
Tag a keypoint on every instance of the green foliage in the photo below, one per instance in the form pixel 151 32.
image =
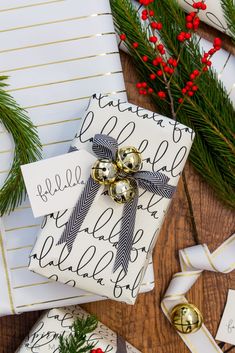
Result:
pixel 27 148
pixel 210 112
pixel 228 7
pixel 76 342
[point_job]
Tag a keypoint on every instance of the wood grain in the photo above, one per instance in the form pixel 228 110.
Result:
pixel 144 325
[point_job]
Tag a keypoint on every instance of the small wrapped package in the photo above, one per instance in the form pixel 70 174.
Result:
pixel 108 253
pixel 44 336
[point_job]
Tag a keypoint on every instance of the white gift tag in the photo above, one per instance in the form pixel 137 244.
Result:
pixel 226 331
pixel 56 183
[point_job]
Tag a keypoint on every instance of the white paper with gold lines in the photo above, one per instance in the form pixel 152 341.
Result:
pixel 57 53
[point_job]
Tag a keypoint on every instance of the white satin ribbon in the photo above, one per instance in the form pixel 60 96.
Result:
pixel 193 262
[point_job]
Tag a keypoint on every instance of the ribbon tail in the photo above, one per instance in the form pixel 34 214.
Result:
pixel 126 234
pixel 79 213
pixel 121 345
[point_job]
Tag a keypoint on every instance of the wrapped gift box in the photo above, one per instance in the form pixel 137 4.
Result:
pixel 165 145
pixel 43 338
pixel 56 54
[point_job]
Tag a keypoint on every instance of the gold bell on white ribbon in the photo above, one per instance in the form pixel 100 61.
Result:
pixel 104 171
pixel 121 191
pixel 129 159
pixel 186 318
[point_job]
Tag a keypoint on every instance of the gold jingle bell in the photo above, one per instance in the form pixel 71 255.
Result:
pixel 121 191
pixel 186 318
pixel 129 159
pixel 104 171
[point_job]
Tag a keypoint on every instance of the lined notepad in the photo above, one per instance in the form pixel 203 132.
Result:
pixel 56 53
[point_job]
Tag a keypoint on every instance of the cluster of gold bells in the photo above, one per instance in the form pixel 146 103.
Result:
pixel 112 173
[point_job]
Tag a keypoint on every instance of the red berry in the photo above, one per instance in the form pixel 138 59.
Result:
pixel 192 14
pixel 152 76
pixel 153 39
pixel 187 35
pixel 159 26
pixel 189 83
pixel 190 93
pixel 217 41
pixel 161 94
pixel 203 6
pixel 192 76
pixel 145 58
pixel 205 68
pixel 138 85
pixel 183 90
pixel 189 18
pixel 159 59
pixel 180 38
pixel 217 47
pixel 209 63
pixel 144 84
pixel 204 60
pixel 122 36
pixel 175 62
pixel 150 90
pixel 160 47
pixel 196 72
pixel 166 68
pixel 159 73
pixel 194 88
pixel 195 5
pixel 171 70
pixel 144 17
pixel 180 100
pixel 151 13
pixel 99 350
pixel 155 62
pixel 154 25
pixel 189 25
pixel 135 45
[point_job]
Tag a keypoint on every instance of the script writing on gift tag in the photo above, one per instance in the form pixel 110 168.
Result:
pixel 56 183
pixel 226 331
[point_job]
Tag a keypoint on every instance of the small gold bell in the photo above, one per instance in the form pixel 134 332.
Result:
pixel 121 191
pixel 186 318
pixel 104 171
pixel 129 159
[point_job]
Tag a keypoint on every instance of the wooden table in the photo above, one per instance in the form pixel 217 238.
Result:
pixel 144 325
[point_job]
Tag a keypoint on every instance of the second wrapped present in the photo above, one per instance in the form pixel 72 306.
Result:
pixel 100 245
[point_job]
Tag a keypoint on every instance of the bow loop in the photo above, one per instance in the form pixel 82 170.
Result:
pixel 105 146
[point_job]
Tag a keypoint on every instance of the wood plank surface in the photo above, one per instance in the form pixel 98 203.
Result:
pixel 144 325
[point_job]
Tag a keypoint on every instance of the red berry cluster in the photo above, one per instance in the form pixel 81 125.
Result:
pixel 97 350
pixel 143 88
pixel 190 88
pixel 200 5
pixel 192 21
pixel 207 56
pixel 146 14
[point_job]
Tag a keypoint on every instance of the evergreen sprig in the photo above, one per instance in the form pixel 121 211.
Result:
pixel 228 7
pixel 27 148
pixel 76 342
pixel 210 112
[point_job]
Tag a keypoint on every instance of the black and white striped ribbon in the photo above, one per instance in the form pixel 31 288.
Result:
pixel 155 182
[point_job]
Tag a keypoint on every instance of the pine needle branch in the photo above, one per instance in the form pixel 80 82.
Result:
pixel 27 149
pixel 210 113
pixel 76 342
pixel 228 7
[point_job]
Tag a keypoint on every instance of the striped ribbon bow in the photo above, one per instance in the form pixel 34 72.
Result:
pixel 157 183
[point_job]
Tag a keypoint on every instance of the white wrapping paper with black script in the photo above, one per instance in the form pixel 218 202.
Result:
pixel 88 264
pixel 43 338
